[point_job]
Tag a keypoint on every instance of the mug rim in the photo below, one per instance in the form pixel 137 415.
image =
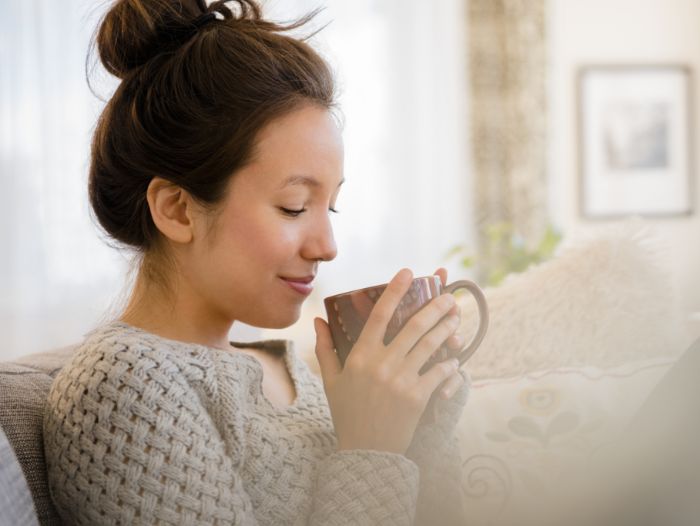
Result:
pixel 379 286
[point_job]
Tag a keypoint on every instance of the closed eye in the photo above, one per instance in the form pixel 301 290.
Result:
pixel 291 212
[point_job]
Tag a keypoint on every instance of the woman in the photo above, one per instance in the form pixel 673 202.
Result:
pixel 218 159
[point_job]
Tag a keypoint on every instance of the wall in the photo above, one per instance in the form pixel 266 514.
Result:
pixel 622 31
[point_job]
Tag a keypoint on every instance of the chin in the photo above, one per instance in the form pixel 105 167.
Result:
pixel 276 320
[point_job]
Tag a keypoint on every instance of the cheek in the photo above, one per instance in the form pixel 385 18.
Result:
pixel 264 240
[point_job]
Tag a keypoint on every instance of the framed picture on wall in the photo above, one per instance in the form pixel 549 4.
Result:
pixel 634 140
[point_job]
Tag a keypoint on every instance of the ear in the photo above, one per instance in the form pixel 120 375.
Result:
pixel 171 209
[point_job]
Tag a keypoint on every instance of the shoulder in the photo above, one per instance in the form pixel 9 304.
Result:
pixel 117 351
pixel 129 370
pixel 127 411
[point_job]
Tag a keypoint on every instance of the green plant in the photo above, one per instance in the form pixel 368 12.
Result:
pixel 507 252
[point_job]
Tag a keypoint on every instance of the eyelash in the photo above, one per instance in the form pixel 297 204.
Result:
pixel 292 213
pixel 296 213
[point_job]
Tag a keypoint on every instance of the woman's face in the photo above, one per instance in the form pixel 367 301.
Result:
pixel 255 262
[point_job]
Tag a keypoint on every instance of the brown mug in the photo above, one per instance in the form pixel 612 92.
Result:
pixel 348 312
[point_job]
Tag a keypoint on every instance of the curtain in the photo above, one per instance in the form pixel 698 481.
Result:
pixel 507 64
pixel 57 278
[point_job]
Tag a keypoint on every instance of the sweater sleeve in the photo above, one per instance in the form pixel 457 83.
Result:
pixel 435 449
pixel 365 487
pixel 128 441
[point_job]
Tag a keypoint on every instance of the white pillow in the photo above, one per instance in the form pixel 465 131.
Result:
pixel 522 437
pixel 600 302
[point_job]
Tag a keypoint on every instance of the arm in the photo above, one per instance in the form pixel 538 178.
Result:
pixel 435 448
pixel 128 441
pixel 365 487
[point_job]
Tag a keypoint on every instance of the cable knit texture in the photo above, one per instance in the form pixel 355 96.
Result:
pixel 143 430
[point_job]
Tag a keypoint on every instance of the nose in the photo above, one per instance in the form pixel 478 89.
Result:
pixel 320 245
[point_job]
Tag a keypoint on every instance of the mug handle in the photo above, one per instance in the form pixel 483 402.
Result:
pixel 482 305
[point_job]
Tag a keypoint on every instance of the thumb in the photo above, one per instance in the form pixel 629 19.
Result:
pixel 327 358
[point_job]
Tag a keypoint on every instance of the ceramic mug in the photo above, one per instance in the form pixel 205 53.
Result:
pixel 348 312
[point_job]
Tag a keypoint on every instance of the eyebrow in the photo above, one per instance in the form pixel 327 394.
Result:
pixel 304 180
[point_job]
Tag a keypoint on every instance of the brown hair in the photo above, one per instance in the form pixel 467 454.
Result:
pixel 197 85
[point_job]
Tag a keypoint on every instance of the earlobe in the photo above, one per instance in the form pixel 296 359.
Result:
pixel 171 210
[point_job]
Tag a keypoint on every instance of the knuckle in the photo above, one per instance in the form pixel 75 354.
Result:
pixel 382 375
pixel 355 363
pixel 398 386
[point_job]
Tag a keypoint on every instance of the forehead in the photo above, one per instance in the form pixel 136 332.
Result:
pixel 302 148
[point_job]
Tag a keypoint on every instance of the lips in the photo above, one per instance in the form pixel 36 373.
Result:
pixel 301 284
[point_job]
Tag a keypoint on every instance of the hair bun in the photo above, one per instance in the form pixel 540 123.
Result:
pixel 134 31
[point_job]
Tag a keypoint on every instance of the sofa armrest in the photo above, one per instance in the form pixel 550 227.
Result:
pixel 24 386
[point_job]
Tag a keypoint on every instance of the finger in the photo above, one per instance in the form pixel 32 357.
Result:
pixel 455 342
pixel 450 387
pixel 429 343
pixel 383 310
pixel 328 360
pixel 421 323
pixel 456 310
pixel 436 375
pixel 442 273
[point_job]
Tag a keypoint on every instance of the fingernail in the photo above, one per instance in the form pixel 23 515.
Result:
pixel 405 274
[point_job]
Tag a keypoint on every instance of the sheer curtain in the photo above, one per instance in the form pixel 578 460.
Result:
pixel 401 70
pixel 57 278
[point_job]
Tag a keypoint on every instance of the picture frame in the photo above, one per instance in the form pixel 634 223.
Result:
pixel 634 140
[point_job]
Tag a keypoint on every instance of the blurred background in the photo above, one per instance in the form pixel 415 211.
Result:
pixel 474 136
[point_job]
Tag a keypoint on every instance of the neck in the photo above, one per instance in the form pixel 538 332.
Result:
pixel 174 311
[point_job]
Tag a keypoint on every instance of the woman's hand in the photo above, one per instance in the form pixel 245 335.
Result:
pixel 377 399
pixel 456 343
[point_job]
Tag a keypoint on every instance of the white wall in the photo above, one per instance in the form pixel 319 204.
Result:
pixel 621 32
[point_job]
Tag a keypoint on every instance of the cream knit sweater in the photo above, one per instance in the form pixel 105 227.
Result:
pixel 144 430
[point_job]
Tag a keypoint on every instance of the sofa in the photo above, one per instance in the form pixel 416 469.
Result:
pixel 575 345
pixel 24 386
